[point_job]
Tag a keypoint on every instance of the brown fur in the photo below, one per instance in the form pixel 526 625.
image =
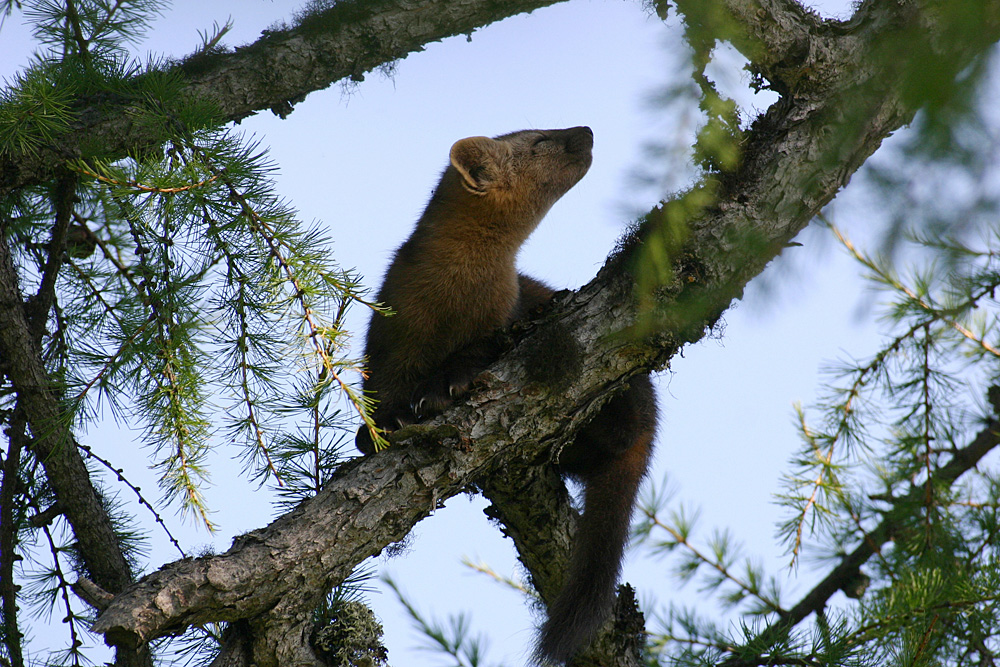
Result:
pixel 454 281
pixel 451 285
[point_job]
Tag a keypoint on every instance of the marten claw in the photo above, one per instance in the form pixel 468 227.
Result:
pixel 418 407
pixel 431 397
pixel 429 405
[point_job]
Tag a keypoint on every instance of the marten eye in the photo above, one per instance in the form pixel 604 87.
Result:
pixel 541 144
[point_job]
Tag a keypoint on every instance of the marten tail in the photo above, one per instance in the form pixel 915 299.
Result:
pixel 587 596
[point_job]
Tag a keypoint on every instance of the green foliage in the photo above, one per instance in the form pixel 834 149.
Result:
pixel 453 639
pixel 190 300
pixel 204 280
pixel 716 149
pixel 719 565
pixel 890 473
pixel 84 27
pixel 34 110
pixel 662 233
pixel 904 412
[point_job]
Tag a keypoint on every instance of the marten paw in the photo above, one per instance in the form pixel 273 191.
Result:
pixel 363 440
pixel 435 394
pixel 430 398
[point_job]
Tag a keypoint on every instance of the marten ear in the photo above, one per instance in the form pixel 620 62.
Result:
pixel 478 160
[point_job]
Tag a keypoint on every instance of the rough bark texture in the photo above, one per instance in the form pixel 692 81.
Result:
pixel 840 99
pixel 796 157
pixel 346 41
pixel 54 445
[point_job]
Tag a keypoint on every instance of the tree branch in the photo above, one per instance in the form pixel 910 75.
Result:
pixel 782 39
pixel 9 481
pixel 795 158
pixel 41 303
pixel 847 571
pixel 53 442
pixel 276 72
pixel 532 506
pixel 375 501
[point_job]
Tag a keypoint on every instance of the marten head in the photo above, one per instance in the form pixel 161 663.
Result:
pixel 515 178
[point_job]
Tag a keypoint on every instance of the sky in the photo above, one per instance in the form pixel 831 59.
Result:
pixel 363 161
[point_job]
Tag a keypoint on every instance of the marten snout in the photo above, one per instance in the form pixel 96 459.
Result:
pixel 578 139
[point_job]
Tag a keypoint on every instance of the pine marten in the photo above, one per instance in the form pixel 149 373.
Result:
pixel 452 284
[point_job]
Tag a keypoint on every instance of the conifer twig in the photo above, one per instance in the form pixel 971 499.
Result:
pixel 816 599
pixel 934 313
pixel 142 187
pixel 120 476
pixel 772 605
pixel 64 589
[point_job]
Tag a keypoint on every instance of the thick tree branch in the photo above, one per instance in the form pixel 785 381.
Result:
pixel 795 159
pixel 532 506
pixel 781 39
pixel 277 71
pixel 375 501
pixel 537 528
pixel 54 445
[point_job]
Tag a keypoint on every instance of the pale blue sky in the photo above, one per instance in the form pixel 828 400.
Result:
pixel 364 161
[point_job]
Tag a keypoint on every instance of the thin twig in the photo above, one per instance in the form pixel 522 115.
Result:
pixel 41 303
pixel 119 474
pixel 145 188
pixel 926 397
pixel 935 313
pixel 64 589
pixel 73 18
pixel 962 461
pixel 723 570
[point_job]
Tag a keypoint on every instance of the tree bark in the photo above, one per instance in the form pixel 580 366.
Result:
pixel 275 72
pixel 840 98
pixel 54 446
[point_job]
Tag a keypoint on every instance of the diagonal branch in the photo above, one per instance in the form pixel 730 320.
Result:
pixel 53 442
pixel 277 71
pixel 40 305
pixel 375 501
pixel 842 575
pixel 795 159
